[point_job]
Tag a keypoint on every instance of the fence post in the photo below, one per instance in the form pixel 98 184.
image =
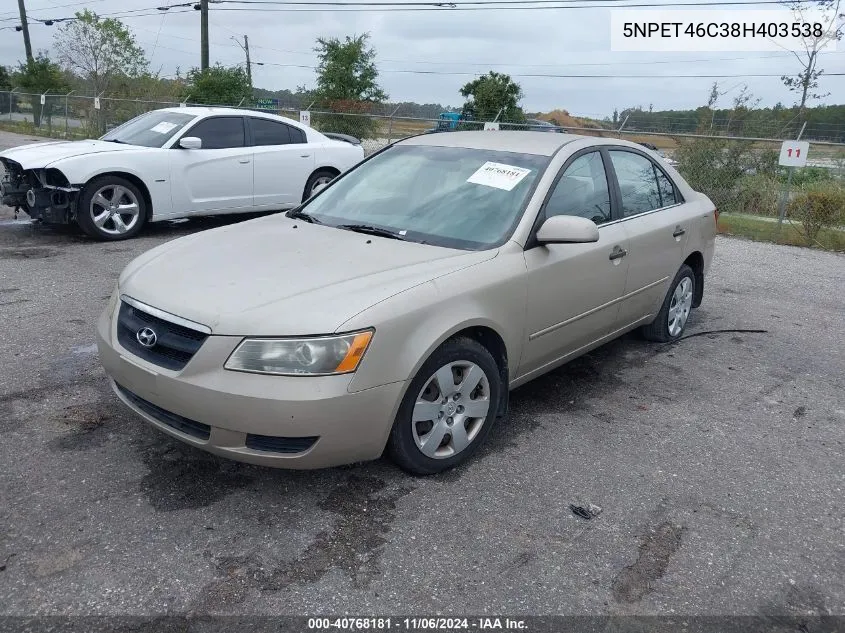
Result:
pixel 67 131
pixel 786 190
pixel 11 101
pixel 390 125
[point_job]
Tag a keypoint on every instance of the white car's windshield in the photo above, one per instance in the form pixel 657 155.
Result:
pixel 152 129
pixel 446 196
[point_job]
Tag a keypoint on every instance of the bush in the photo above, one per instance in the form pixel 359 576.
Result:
pixel 818 206
pixel 756 194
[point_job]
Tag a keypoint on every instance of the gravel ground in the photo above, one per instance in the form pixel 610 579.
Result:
pixel 716 461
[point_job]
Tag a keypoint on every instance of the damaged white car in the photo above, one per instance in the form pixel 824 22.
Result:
pixel 174 163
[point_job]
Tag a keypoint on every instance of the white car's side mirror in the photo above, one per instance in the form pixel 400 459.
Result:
pixel 190 142
pixel 567 229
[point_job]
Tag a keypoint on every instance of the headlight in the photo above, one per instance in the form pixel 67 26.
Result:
pixel 315 356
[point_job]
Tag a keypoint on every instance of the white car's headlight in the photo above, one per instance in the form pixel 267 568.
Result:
pixel 314 356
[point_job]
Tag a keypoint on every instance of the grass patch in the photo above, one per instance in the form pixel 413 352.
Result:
pixel 790 233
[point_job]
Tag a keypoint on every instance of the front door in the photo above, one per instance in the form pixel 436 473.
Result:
pixel 218 176
pixel 574 289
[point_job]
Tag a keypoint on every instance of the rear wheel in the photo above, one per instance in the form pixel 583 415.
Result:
pixel 674 313
pixel 317 181
pixel 111 208
pixel 448 410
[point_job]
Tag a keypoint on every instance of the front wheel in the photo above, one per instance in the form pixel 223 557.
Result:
pixel 111 208
pixel 675 311
pixel 448 410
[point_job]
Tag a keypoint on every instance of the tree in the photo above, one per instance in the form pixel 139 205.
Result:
pixel 99 50
pixel 806 81
pixel 218 85
pixel 615 116
pixel 347 81
pixel 38 76
pixel 491 93
pixel 5 86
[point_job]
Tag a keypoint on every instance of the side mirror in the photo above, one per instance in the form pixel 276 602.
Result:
pixel 190 142
pixel 567 229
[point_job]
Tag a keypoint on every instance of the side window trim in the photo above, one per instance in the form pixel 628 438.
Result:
pixel 617 190
pixel 246 130
pixel 541 214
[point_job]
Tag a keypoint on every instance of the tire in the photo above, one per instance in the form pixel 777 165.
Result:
pixel 102 221
pixel 461 359
pixel 319 179
pixel 665 329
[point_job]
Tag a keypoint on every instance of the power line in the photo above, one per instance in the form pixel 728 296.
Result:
pixel 450 7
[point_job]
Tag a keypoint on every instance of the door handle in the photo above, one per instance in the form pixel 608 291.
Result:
pixel 305 155
pixel 678 232
pixel 617 253
pixel 244 161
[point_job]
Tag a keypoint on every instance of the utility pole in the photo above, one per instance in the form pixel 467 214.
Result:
pixel 245 48
pixel 25 29
pixel 204 35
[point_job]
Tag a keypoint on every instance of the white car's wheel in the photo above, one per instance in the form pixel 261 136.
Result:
pixel 111 208
pixel 317 181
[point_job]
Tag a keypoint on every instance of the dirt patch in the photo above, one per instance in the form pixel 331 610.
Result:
pixel 656 550
pixel 365 510
pixel 35 252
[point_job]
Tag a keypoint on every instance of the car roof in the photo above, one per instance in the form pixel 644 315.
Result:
pixel 521 142
pixel 210 110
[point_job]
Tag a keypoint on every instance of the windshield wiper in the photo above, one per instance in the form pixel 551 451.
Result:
pixel 371 230
pixel 115 140
pixel 301 215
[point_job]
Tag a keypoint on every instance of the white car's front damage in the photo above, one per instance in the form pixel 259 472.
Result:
pixel 33 179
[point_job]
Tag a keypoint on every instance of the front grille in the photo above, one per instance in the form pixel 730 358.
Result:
pixel 275 444
pixel 175 344
pixel 188 427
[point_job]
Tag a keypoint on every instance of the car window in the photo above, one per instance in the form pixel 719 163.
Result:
pixel 582 190
pixel 266 132
pixel 637 182
pixel 667 189
pixel 297 135
pixel 219 132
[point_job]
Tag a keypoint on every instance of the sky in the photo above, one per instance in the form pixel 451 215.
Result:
pixel 451 47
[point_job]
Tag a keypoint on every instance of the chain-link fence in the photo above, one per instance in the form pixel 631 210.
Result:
pixel 740 174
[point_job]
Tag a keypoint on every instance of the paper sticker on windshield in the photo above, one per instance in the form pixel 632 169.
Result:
pixel 499 175
pixel 164 127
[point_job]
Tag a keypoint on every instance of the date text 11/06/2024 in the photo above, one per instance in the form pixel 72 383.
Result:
pixel 417 624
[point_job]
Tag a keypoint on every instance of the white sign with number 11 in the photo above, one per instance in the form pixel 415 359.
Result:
pixel 793 153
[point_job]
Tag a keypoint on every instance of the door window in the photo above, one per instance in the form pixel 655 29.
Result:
pixel 266 132
pixel 638 183
pixel 219 132
pixel 582 190
pixel 667 189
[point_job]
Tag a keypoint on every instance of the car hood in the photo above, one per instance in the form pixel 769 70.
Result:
pixel 39 155
pixel 277 277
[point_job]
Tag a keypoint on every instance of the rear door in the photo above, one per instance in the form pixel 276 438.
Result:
pixel 574 289
pixel 658 224
pixel 218 176
pixel 283 162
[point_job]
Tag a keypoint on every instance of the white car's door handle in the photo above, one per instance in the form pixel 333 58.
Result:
pixel 305 155
pixel 243 161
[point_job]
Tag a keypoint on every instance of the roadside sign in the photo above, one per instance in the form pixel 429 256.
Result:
pixel 491 126
pixel 793 153
pixel 267 104
pixel 43 99
pixel 96 103
pixel 305 117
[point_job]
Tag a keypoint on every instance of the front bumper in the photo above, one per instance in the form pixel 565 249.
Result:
pixel 237 407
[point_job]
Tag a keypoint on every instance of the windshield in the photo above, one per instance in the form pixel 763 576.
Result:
pixel 152 129
pixel 446 196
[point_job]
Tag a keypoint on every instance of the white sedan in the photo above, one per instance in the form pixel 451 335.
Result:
pixel 174 163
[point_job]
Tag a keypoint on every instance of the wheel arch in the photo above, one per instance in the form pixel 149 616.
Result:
pixel 695 260
pixel 135 180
